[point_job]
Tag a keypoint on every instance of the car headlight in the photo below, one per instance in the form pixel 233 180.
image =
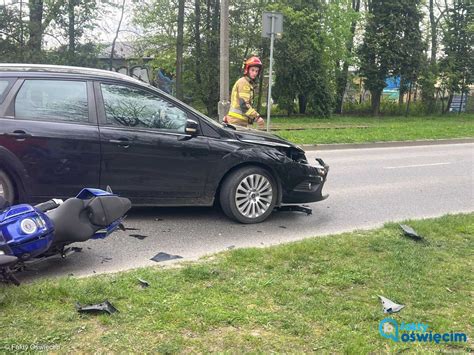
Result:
pixel 28 226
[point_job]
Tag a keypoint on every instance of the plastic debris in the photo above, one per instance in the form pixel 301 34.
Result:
pixel 165 257
pixel 390 306
pixel 294 208
pixel 104 307
pixel 410 232
pixel 143 283
pixel 138 236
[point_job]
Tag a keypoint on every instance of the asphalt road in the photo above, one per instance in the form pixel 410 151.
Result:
pixel 367 188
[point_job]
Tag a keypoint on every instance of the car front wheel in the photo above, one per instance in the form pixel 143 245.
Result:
pixel 248 195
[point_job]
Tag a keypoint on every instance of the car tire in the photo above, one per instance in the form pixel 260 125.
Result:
pixel 7 189
pixel 248 195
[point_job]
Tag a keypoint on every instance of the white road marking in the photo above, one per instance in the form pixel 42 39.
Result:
pixel 414 166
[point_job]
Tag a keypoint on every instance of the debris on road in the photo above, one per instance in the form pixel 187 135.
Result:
pixel 410 232
pixel 138 236
pixel 143 283
pixel 294 208
pixel 390 306
pixel 230 247
pixel 104 307
pixel 165 257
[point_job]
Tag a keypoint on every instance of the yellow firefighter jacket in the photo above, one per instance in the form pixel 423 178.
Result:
pixel 241 111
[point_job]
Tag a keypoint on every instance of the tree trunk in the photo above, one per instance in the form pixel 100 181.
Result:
pixel 450 100
pixel 112 49
pixel 197 39
pixel 401 91
pixel 179 51
pixel 433 33
pixel 342 82
pixel 409 99
pixel 35 28
pixel 376 95
pixel 71 32
pixel 302 103
pixel 460 103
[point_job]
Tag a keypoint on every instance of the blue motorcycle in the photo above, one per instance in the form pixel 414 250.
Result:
pixel 29 234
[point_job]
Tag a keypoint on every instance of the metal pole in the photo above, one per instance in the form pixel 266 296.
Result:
pixel 224 103
pixel 269 100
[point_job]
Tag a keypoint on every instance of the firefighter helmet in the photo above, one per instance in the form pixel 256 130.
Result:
pixel 252 62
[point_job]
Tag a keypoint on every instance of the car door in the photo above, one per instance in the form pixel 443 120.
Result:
pixel 51 126
pixel 146 154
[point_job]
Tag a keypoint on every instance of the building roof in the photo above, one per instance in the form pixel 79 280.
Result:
pixel 123 50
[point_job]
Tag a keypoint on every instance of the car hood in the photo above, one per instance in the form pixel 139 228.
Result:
pixel 263 138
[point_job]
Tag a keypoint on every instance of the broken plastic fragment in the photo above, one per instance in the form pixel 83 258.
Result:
pixel 410 232
pixel 390 306
pixel 294 208
pixel 165 257
pixel 138 236
pixel 104 307
pixel 143 283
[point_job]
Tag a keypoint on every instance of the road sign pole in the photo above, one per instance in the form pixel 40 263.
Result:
pixel 269 99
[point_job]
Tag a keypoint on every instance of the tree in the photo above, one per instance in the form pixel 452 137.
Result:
pixel 386 45
pixel 342 73
pixel 410 58
pixel 301 66
pixel 41 14
pixel 117 32
pixel 458 63
pixel 11 42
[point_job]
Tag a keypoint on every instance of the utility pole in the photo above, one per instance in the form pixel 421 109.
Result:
pixel 179 51
pixel 224 103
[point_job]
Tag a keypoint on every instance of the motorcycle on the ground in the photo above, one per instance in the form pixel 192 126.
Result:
pixel 29 234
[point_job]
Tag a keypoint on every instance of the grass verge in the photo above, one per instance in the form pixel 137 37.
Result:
pixel 369 129
pixel 315 295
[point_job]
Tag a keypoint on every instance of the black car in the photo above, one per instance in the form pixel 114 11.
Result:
pixel 64 128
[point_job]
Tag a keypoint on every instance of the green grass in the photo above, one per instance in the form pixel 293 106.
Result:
pixel 342 129
pixel 319 294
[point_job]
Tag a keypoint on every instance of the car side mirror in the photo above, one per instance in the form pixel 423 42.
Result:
pixel 191 127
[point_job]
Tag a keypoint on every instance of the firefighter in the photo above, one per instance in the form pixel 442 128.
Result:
pixel 241 112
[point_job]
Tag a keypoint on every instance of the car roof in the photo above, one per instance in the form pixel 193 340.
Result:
pixel 63 69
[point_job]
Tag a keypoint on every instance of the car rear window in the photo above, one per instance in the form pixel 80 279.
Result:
pixel 57 100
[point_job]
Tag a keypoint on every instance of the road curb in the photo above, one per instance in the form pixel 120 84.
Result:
pixel 391 144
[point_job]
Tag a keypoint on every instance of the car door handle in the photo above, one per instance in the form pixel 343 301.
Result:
pixel 123 142
pixel 18 135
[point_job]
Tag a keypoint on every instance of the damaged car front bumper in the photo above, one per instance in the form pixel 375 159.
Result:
pixel 305 182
